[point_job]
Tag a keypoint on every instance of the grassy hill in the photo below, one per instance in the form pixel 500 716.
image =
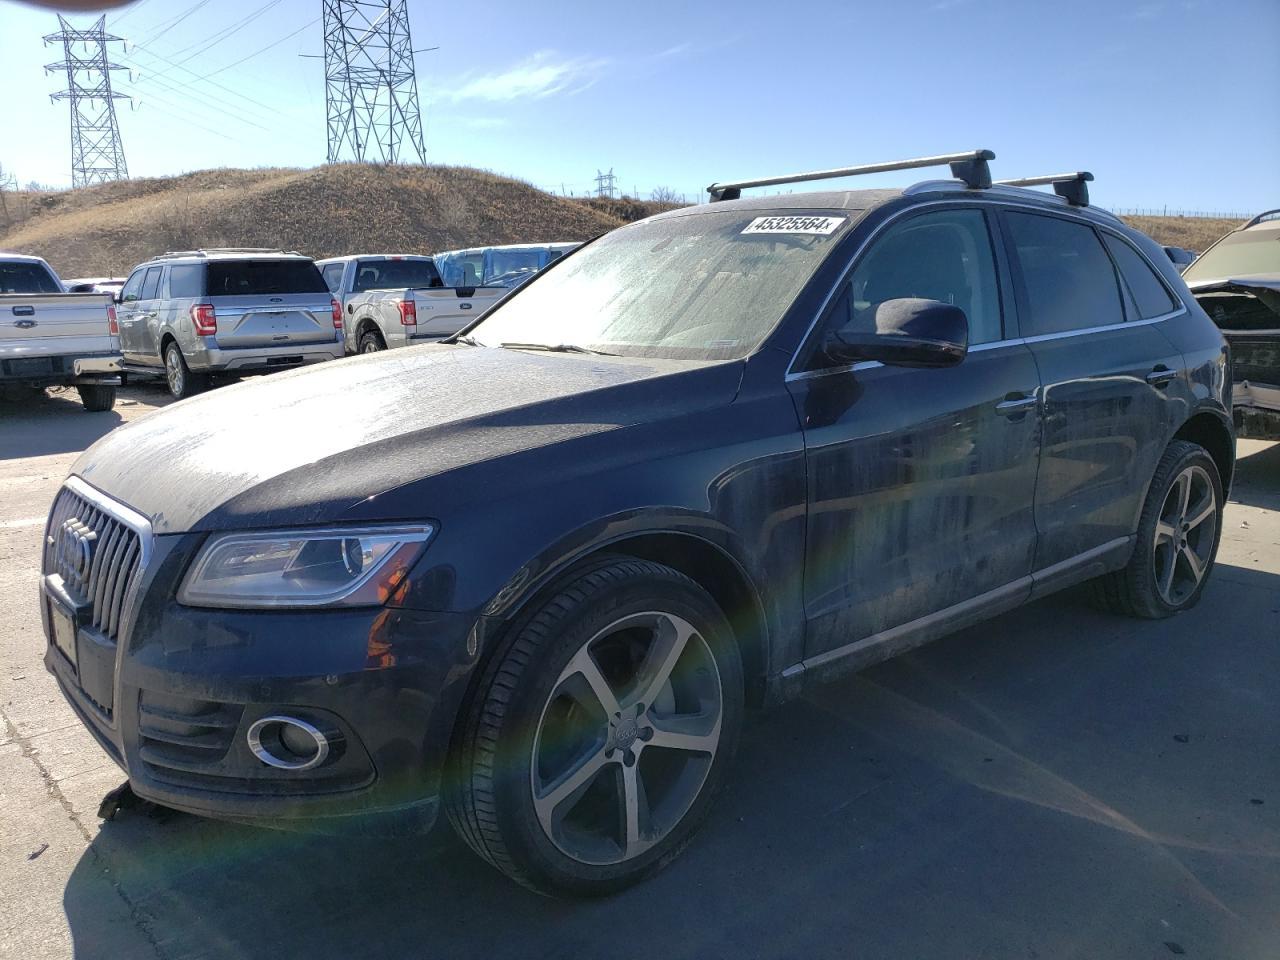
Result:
pixel 330 210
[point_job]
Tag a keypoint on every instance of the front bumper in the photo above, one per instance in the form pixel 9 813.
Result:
pixel 172 702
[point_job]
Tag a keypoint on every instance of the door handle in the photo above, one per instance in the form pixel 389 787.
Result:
pixel 1016 405
pixel 1161 376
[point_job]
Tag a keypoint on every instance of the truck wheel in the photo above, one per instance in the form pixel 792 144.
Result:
pixel 182 382
pixel 371 342
pixel 600 732
pixel 1177 538
pixel 97 398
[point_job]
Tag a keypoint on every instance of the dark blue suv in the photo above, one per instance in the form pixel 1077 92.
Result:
pixel 533 576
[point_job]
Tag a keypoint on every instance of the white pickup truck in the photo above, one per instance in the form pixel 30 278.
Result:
pixel 397 300
pixel 52 338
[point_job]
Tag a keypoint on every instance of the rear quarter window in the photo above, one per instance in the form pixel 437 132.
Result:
pixel 1149 294
pixel 247 278
pixel 186 281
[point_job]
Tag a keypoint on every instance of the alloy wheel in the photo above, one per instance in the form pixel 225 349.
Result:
pixel 174 373
pixel 626 738
pixel 1185 535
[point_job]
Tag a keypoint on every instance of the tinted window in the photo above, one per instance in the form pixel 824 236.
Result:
pixel 386 274
pixel 132 286
pixel 240 278
pixel 333 276
pixel 1071 283
pixel 186 280
pixel 1149 294
pixel 943 256
pixel 24 277
pixel 151 285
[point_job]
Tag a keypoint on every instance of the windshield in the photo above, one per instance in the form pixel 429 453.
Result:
pixel 707 286
pixel 1240 254
pixel 510 264
pixel 385 274
pixel 25 277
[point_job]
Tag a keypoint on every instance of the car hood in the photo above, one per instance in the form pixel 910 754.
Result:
pixel 1259 281
pixel 1241 304
pixel 307 445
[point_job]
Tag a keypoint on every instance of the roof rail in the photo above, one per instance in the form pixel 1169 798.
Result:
pixel 1071 187
pixel 206 251
pixel 1260 217
pixel 970 167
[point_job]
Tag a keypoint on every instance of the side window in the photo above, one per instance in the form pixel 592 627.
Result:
pixel 152 283
pixel 1070 282
pixel 186 281
pixel 944 256
pixel 333 276
pixel 1151 297
pixel 132 287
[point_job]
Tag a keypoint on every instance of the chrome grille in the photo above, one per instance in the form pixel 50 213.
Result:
pixel 96 552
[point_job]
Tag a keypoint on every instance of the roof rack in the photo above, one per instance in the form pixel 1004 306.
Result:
pixel 971 167
pixel 204 252
pixel 1071 187
pixel 1266 214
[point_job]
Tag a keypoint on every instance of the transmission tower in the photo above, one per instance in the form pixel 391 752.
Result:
pixel 97 155
pixel 371 91
pixel 605 184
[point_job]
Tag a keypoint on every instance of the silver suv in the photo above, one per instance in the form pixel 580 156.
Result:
pixel 235 311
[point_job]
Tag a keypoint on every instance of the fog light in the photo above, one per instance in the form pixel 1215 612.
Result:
pixel 287 743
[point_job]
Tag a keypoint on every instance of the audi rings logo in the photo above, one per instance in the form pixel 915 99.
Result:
pixel 75 551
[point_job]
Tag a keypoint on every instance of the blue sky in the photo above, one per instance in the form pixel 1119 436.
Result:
pixel 1168 102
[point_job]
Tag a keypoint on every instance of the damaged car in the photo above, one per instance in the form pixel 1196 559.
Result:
pixel 1237 282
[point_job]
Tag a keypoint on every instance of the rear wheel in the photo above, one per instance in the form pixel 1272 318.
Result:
pixel 600 735
pixel 1178 538
pixel 371 342
pixel 182 382
pixel 97 398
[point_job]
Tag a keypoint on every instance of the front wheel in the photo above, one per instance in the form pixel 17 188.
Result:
pixel 1178 538
pixel 97 398
pixel 601 733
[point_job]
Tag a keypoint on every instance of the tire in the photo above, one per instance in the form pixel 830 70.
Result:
pixel 371 342
pixel 557 738
pixel 182 382
pixel 97 398
pixel 1181 521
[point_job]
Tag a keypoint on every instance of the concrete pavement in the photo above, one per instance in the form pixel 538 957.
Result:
pixel 1054 783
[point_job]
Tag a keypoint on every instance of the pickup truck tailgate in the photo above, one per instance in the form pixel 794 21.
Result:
pixel 39 323
pixel 443 311
pixel 276 321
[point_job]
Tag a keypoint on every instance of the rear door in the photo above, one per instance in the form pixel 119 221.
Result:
pixel 921 481
pixel 1110 381
pixel 269 303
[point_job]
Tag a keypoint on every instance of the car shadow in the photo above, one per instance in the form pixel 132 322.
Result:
pixel 1257 479
pixel 56 422
pixel 1055 782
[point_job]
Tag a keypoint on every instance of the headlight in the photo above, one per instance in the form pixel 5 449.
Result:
pixel 304 568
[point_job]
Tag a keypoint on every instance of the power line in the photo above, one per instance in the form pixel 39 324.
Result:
pixel 128 13
pixel 97 153
pixel 167 25
pixel 269 46
pixel 208 43
pixel 189 83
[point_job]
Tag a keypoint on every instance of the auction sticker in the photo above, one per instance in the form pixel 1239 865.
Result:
pixel 814 226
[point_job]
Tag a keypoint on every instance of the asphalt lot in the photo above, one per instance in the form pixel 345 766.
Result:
pixel 1055 783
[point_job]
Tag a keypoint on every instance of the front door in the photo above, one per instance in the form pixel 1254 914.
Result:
pixel 127 315
pixel 920 481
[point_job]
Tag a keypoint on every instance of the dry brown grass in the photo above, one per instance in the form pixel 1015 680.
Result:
pixel 344 208
pixel 1194 233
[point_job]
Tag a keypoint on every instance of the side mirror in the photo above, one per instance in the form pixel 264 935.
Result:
pixel 909 333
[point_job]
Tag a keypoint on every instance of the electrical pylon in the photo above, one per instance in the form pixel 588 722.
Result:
pixel 371 91
pixel 97 154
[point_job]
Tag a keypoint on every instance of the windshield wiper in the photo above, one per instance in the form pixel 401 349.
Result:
pixel 555 348
pixel 469 341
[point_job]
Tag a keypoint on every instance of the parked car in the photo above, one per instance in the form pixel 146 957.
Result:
pixel 187 316
pixel 51 338
pixel 532 576
pixel 503 266
pixel 108 285
pixel 1181 257
pixel 1237 282
pixel 377 319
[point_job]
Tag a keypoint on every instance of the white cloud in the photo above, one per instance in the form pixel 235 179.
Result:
pixel 538 76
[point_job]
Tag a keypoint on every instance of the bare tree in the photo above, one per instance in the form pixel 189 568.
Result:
pixel 8 183
pixel 666 195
